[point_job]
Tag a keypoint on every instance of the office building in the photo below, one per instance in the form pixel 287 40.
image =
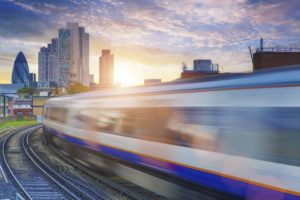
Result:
pixel 83 70
pixel 43 67
pixel 64 56
pixel 53 63
pixel 32 80
pixel 76 64
pixel 66 59
pixel 20 74
pixel 106 69
pixel 48 65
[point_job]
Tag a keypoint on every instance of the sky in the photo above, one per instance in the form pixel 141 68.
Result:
pixel 150 38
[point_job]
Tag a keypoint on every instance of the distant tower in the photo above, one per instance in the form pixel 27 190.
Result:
pixel 106 69
pixel 184 67
pixel 20 72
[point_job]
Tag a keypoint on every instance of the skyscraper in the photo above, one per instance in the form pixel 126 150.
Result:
pixel 20 74
pixel 106 69
pixel 64 56
pixel 48 65
pixel 73 54
pixel 53 63
pixel 43 67
pixel 83 69
pixel 32 80
pixel 66 59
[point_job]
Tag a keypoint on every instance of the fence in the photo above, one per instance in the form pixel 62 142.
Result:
pixel 277 49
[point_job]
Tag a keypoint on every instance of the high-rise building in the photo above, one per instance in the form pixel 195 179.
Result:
pixel 48 65
pixel 73 27
pixel 73 55
pixel 32 80
pixel 53 63
pixel 43 67
pixel 66 59
pixel 83 70
pixel 64 56
pixel 106 69
pixel 20 74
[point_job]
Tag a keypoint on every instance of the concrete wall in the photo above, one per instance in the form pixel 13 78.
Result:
pixel 265 60
pixel 38 105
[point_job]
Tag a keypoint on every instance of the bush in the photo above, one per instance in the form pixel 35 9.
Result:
pixel 77 88
pixel 27 90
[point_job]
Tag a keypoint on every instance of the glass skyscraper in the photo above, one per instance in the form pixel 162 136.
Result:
pixel 20 74
pixel 43 67
pixel 48 65
pixel 66 60
pixel 64 56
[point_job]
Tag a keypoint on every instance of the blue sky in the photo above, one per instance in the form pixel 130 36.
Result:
pixel 150 38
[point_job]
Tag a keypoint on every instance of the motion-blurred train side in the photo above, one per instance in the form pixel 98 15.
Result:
pixel 235 134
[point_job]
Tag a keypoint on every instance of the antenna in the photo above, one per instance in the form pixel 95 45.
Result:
pixel 251 55
pixel 261 44
pixel 183 66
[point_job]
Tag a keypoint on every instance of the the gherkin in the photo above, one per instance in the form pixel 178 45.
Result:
pixel 20 71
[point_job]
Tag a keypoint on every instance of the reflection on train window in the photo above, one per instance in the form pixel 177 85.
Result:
pixel 56 114
pixel 127 122
pixel 237 131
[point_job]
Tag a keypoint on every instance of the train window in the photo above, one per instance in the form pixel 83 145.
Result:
pixel 237 131
pixel 46 111
pixel 100 120
pixel 190 129
pixel 57 114
pixel 127 122
pixel 151 124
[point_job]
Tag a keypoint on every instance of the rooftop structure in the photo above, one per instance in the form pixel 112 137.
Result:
pixel 200 68
pixel 269 57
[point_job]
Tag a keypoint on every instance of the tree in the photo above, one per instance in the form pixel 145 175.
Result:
pixel 28 90
pixel 77 88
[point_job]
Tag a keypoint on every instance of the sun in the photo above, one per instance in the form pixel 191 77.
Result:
pixel 128 73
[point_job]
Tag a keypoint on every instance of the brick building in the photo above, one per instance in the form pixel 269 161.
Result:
pixel 22 107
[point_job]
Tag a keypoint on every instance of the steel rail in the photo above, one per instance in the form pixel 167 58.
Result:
pixel 52 171
pixel 48 175
pixel 6 162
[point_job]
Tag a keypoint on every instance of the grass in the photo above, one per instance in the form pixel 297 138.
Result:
pixel 17 124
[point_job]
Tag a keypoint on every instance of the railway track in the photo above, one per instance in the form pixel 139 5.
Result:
pixel 112 189
pixel 32 179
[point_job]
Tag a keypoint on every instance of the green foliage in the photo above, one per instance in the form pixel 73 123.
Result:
pixel 77 88
pixel 27 90
pixel 56 92
pixel 17 124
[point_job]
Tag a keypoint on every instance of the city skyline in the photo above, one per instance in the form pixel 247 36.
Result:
pixel 151 39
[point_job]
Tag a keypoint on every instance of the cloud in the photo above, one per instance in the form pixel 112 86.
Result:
pixel 21 22
pixel 155 33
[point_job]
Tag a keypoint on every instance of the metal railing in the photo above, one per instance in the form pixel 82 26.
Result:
pixel 278 49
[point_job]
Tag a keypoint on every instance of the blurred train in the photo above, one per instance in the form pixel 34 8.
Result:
pixel 237 134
